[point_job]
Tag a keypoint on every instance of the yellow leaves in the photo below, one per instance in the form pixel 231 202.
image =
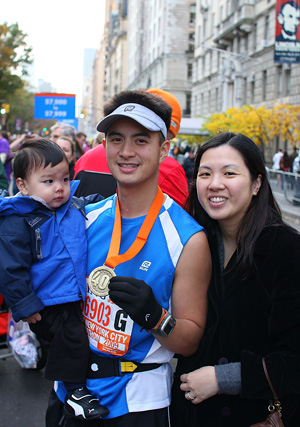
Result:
pixel 259 124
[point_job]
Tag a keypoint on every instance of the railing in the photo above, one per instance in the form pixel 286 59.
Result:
pixel 285 185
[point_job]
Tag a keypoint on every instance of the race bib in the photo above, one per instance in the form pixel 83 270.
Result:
pixel 109 327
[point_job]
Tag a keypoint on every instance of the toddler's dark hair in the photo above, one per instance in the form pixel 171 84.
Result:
pixel 36 153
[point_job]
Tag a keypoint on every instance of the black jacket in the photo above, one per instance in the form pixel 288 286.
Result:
pixel 247 320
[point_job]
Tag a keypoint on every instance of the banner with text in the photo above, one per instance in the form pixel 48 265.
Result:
pixel 287 32
pixel 54 106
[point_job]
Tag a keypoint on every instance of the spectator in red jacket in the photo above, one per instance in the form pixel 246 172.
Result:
pixel 95 177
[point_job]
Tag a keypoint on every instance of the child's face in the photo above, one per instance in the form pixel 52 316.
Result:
pixel 49 183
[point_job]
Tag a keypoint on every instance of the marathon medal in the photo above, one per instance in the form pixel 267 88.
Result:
pixel 99 280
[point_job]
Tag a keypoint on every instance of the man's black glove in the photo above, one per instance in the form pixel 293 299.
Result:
pixel 137 299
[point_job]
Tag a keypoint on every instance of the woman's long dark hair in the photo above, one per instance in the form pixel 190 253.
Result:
pixel 262 210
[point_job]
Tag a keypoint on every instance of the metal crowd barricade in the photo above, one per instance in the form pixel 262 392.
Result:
pixel 285 185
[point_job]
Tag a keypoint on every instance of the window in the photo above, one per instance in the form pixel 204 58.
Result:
pixel 212 23
pixel 267 27
pixel 252 89
pixel 228 8
pixel 287 75
pixel 189 71
pixel 234 5
pixel 254 36
pixel 279 81
pixel 204 28
pixel 188 104
pixel 198 68
pixel 246 42
pixel 191 42
pixel 199 35
pixel 245 91
pixel 264 85
pixel 192 14
pixel 219 60
pixel 238 44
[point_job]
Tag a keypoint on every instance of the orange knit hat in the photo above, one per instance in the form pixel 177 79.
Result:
pixel 173 102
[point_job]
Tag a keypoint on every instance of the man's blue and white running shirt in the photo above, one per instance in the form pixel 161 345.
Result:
pixel 112 333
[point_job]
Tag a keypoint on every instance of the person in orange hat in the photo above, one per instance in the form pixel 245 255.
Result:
pixel 172 179
pixel 176 109
pixel 95 177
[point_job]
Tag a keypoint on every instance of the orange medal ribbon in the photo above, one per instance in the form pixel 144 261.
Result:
pixel 113 257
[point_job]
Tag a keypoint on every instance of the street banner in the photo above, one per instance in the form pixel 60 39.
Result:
pixel 287 32
pixel 54 106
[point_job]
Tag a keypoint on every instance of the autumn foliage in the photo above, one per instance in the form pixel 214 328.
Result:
pixel 260 124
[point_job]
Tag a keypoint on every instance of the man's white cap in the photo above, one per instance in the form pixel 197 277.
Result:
pixel 143 115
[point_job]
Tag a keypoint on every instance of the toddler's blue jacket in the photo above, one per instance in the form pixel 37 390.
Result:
pixel 43 253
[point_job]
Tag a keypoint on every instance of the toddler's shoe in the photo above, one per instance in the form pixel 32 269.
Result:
pixel 81 404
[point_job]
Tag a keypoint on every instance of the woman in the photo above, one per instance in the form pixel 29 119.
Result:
pixel 68 146
pixel 254 295
pixel 285 166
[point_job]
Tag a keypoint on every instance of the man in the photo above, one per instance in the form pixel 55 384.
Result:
pixel 276 159
pixel 289 18
pixel 94 175
pixel 172 179
pixel 189 164
pixel 60 129
pixel 149 302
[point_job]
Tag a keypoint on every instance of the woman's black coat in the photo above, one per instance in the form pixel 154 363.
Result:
pixel 247 320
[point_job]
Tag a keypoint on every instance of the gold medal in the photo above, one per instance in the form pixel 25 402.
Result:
pixel 99 280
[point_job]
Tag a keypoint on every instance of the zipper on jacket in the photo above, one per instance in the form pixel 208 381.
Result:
pixel 38 243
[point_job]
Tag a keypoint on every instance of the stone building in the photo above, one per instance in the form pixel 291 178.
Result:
pixel 211 54
pixel 234 58
pixel 161 46
pixel 109 68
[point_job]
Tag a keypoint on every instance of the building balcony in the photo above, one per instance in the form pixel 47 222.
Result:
pixel 239 20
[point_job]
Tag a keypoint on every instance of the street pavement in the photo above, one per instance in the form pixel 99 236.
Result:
pixel 24 393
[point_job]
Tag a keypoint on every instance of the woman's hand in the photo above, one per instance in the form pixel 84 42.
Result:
pixel 200 385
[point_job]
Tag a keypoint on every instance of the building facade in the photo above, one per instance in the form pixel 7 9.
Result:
pixel 212 55
pixel 85 119
pixel 161 46
pixel 234 58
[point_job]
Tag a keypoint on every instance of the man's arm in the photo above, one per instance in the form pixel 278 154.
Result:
pixel 189 296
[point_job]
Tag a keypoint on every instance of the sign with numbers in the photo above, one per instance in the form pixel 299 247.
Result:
pixel 109 328
pixel 54 106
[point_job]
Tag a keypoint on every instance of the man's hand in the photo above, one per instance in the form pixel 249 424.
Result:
pixel 34 318
pixel 137 299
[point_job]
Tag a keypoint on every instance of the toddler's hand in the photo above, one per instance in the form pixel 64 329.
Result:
pixel 34 318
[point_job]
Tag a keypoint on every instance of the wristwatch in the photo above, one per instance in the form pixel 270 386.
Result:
pixel 165 326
